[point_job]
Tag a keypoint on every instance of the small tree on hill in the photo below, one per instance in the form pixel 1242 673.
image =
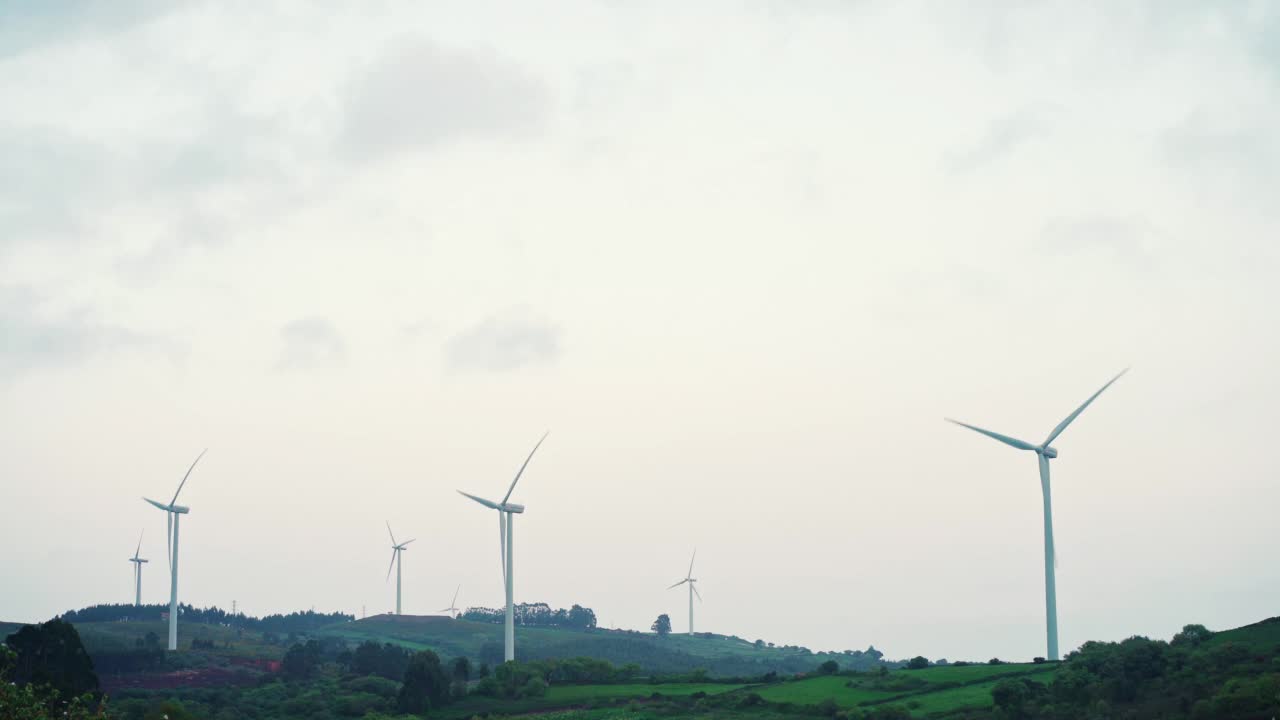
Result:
pixel 918 662
pixel 425 685
pixel 662 625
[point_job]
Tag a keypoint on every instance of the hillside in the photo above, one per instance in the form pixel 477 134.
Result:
pixel 719 655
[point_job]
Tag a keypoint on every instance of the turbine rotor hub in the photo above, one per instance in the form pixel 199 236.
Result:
pixel 1049 452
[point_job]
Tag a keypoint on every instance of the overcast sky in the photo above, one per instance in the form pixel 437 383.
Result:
pixel 740 258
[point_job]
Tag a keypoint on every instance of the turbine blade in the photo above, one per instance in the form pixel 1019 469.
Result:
pixel 695 592
pixel 139 550
pixel 695 555
pixel 162 506
pixel 1015 442
pixel 679 583
pixel 522 467
pixel 393 535
pixel 454 601
pixel 406 542
pixel 1063 425
pixel 393 563
pixel 184 477
pixel 482 501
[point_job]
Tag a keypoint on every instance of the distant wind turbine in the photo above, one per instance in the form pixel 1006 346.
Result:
pixel 137 572
pixel 396 549
pixel 173 513
pixel 691 580
pixel 1044 454
pixel 453 604
pixel 505 528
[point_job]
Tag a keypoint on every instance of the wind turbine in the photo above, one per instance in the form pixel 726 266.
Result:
pixel 173 513
pixel 1044 453
pixel 453 604
pixel 396 549
pixel 691 580
pixel 137 572
pixel 505 528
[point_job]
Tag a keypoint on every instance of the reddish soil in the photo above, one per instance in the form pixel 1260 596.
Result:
pixel 246 672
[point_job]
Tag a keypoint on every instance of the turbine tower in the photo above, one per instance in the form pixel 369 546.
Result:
pixel 396 549
pixel 173 513
pixel 137 573
pixel 453 604
pixel 505 528
pixel 1045 453
pixel 691 580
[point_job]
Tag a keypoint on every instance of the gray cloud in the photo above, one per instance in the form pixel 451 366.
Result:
pixel 503 342
pixel 1124 239
pixel 420 95
pixel 311 343
pixel 1002 138
pixel 36 339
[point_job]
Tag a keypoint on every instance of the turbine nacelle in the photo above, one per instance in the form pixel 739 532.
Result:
pixel 1048 452
pixel 182 509
pixel 500 507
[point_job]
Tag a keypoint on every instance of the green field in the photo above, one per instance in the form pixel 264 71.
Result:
pixel 119 636
pixel 931 690
pixel 720 655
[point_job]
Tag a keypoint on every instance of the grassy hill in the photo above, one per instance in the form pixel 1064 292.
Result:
pixel 720 655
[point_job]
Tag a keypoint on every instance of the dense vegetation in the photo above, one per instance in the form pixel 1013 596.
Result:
pixel 536 615
pixel 295 623
pixel 46 671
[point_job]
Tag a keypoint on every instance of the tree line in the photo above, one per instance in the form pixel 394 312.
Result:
pixel 294 623
pixel 536 615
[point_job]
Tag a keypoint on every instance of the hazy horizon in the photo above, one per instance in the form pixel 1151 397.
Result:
pixel 741 259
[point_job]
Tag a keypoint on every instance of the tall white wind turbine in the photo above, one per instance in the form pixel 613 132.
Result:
pixel 173 513
pixel 691 581
pixel 396 549
pixel 1044 454
pixel 453 604
pixel 505 528
pixel 137 572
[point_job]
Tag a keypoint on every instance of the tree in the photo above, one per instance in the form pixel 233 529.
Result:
pixel 1191 635
pixel 425 685
pixel 828 668
pixel 301 661
pixel 51 654
pixel 918 662
pixel 462 669
pixel 581 618
pixel 662 625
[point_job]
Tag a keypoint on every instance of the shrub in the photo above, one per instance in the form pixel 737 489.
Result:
pixel 828 707
pixel 535 687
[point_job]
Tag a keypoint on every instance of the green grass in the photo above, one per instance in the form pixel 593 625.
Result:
pixel 968 673
pixel 935 689
pixel 559 697
pixel 578 693
pixel 1259 637
pixel 720 655
pixel 969 696
pixel 118 636
pixel 812 691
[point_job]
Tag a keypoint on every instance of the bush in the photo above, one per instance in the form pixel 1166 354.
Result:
pixel 828 707
pixel 918 662
pixel 828 668
pixel 535 687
